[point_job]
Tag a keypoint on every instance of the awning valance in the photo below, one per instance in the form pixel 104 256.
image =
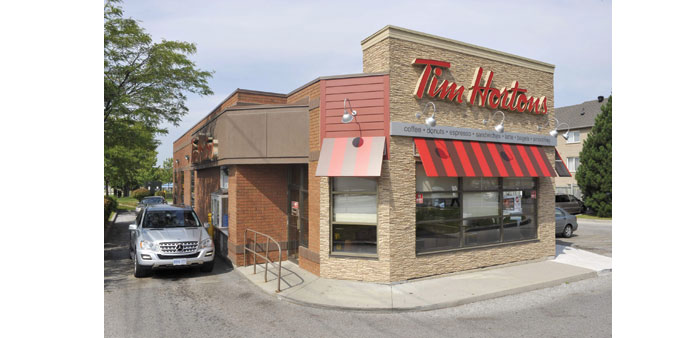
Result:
pixel 560 166
pixel 456 158
pixel 345 157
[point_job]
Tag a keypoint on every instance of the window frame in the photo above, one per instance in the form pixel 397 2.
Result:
pixel 572 135
pixel 573 162
pixel 332 223
pixel 500 191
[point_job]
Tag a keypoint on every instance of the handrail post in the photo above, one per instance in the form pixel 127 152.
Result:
pixel 266 258
pixel 254 260
pixel 266 261
pixel 278 287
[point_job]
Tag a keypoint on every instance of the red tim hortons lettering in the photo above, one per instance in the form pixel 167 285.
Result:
pixel 446 89
pixel 425 75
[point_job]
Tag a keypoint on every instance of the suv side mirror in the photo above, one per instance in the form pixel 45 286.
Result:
pixel 206 225
pixel 133 226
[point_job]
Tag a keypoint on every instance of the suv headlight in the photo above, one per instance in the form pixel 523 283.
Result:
pixel 147 245
pixel 206 243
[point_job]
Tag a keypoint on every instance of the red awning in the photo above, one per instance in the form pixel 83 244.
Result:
pixel 456 158
pixel 344 157
pixel 560 166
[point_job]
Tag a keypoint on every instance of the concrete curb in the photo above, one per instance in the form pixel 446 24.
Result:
pixel 454 303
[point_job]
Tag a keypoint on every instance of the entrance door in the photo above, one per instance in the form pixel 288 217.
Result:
pixel 297 214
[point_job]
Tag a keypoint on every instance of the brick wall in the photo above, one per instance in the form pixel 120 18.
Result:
pixel 310 92
pixel 260 98
pixel 258 200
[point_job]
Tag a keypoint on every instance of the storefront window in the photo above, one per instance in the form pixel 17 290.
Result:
pixel 437 212
pixel 492 210
pixel 354 215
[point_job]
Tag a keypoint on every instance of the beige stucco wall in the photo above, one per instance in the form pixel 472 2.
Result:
pixel 396 232
pixel 570 150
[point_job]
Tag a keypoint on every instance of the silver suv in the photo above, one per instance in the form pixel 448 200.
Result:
pixel 169 236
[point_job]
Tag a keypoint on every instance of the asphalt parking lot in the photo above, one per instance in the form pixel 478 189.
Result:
pixel 592 235
pixel 223 303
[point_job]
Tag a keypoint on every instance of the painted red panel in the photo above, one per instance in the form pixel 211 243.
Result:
pixel 355 126
pixel 369 96
pixel 355 104
pixel 355 96
pixel 354 89
pixel 355 81
pixel 361 111
pixel 361 118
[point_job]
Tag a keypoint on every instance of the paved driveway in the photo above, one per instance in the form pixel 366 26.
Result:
pixel 592 235
pixel 188 303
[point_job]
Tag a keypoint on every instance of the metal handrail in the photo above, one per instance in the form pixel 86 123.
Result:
pixel 266 257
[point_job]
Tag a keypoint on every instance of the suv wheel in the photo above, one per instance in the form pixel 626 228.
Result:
pixel 140 270
pixel 567 232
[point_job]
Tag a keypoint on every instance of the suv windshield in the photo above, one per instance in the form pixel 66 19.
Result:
pixel 152 201
pixel 170 219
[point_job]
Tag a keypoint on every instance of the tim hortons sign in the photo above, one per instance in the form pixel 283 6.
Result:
pixel 512 98
pixel 204 149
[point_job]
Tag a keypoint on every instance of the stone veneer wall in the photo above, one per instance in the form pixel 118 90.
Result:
pixel 366 269
pixel 397 259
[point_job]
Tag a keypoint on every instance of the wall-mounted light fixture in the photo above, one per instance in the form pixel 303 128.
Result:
pixel 187 157
pixel 348 117
pixel 177 161
pixel 500 128
pixel 430 121
pixel 554 132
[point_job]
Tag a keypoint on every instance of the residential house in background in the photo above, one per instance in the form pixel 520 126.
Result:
pixel 577 121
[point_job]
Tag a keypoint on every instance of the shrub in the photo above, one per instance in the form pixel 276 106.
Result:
pixel 109 205
pixel 140 193
pixel 161 193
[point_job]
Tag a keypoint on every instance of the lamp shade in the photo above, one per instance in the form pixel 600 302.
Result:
pixel 347 117
pixel 430 121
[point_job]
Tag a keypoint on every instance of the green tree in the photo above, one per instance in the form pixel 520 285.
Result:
pixel 128 147
pixel 166 173
pixel 594 174
pixel 145 84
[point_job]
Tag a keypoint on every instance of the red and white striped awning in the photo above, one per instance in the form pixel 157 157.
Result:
pixel 344 157
pixel 456 158
pixel 560 166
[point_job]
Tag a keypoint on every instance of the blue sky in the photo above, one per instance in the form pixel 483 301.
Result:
pixel 278 46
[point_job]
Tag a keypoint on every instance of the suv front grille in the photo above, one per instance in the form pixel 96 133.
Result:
pixel 192 255
pixel 178 247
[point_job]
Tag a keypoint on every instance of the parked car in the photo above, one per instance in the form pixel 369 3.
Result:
pixel 151 200
pixel 570 203
pixel 166 236
pixel 565 223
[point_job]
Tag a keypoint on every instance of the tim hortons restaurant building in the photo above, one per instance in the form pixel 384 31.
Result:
pixel 437 158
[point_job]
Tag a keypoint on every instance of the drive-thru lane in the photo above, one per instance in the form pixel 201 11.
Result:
pixel 188 303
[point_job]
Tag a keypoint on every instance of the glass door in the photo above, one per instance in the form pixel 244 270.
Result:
pixel 297 210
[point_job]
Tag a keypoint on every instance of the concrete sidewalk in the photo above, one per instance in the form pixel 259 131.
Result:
pixel 302 287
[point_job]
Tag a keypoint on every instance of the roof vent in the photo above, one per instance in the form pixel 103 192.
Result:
pixel 582 111
pixel 600 99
